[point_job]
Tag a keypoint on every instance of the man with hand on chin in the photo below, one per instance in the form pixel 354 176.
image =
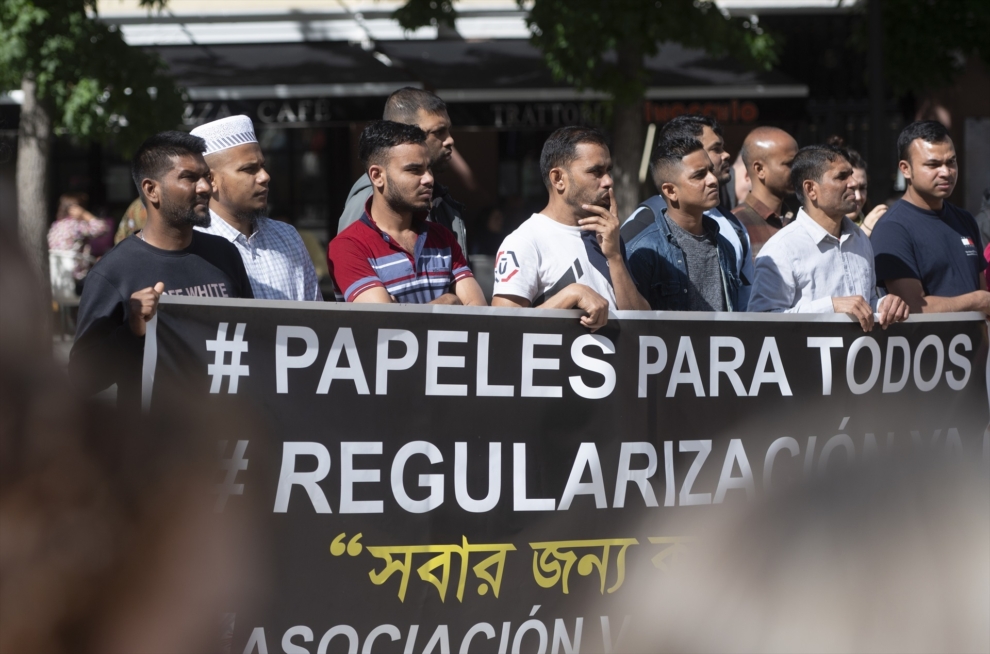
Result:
pixel 570 255
pixel 274 255
pixel 682 262
pixel 393 253
pixel 167 256
pixel 822 262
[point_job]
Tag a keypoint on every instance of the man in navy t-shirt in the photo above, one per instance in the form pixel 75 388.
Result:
pixel 927 249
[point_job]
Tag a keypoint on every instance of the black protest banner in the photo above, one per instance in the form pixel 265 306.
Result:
pixel 468 479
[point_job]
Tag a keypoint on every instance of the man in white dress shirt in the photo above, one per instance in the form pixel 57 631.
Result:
pixel 274 255
pixel 822 262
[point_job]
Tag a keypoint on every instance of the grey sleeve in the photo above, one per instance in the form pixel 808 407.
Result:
pixel 354 209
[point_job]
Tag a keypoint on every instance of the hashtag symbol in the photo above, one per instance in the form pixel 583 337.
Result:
pixel 232 466
pixel 219 369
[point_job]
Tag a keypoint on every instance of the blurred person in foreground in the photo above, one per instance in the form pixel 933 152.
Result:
pixel 109 537
pixel 167 256
pixel 570 255
pixel 888 556
pixel 683 261
pixel 706 130
pixel 274 255
pixel 71 237
pixel 767 153
pixel 927 249
pixel 394 253
pixel 822 262
pixel 866 222
pixel 428 112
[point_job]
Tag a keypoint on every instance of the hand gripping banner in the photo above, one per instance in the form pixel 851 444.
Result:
pixel 469 479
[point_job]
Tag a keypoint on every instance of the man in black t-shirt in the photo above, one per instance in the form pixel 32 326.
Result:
pixel 167 256
pixel 927 249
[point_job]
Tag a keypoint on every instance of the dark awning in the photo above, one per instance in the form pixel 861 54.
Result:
pixel 458 70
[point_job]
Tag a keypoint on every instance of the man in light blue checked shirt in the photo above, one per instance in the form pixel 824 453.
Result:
pixel 822 262
pixel 276 260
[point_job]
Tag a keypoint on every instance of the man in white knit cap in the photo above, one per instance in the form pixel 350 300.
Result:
pixel 274 255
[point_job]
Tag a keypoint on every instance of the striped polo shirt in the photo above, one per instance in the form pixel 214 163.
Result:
pixel 363 256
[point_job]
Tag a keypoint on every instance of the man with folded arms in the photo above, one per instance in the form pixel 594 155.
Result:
pixel 273 252
pixel 927 249
pixel 393 253
pixel 570 255
pixel 822 262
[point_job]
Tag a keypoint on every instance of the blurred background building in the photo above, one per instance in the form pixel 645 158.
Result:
pixel 312 73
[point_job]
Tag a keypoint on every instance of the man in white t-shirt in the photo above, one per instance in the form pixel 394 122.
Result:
pixel 570 255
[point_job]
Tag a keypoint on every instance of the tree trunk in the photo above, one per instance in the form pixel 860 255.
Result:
pixel 628 134
pixel 33 147
pixel 627 152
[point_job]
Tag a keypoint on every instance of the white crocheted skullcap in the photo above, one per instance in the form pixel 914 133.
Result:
pixel 226 133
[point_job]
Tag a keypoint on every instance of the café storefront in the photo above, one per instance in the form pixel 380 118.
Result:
pixel 309 102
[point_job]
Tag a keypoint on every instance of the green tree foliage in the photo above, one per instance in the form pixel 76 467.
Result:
pixel 91 83
pixel 603 45
pixel 927 42
pixel 578 38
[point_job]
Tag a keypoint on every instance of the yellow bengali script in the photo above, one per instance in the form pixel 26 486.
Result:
pixel 553 562
pixel 436 569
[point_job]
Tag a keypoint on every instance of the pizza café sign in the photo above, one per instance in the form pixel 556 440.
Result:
pixel 531 115
pixel 266 112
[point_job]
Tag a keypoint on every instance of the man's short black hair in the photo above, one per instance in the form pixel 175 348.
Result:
pixel 404 105
pixel 381 136
pixel 689 126
pixel 561 148
pixel 811 162
pixel 667 157
pixel 154 158
pixel 929 131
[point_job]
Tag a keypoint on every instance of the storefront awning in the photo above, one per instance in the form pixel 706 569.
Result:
pixel 505 70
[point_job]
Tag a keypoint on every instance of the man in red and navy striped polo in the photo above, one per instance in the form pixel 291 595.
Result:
pixel 393 254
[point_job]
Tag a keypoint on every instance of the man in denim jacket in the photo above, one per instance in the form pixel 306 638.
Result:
pixel 681 262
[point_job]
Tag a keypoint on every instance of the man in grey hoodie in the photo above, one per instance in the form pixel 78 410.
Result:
pixel 429 113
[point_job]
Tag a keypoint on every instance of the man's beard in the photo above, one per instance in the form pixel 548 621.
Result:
pixel 250 216
pixel 179 216
pixel 399 204
pixel 589 197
